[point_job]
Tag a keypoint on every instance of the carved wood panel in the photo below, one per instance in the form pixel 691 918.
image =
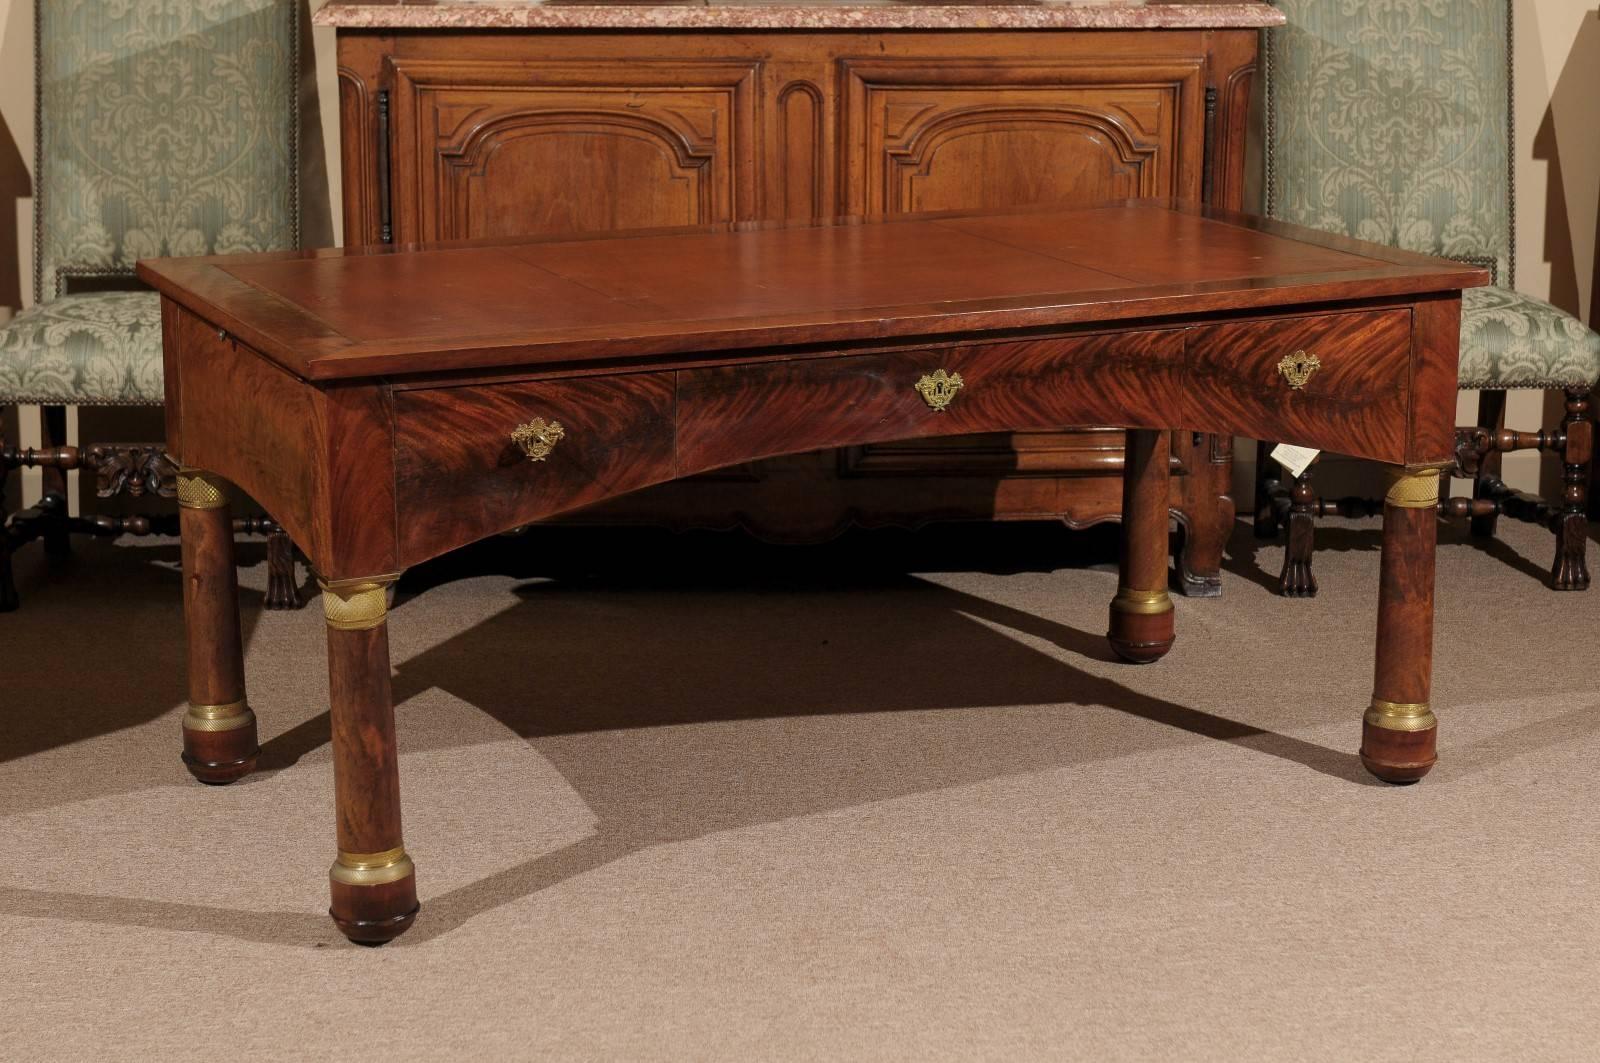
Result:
pixel 930 134
pixel 500 149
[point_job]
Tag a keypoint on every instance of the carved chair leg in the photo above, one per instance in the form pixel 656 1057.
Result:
pixel 1399 730
pixel 1296 580
pixel 373 882
pixel 1486 482
pixel 219 730
pixel 1141 628
pixel 283 592
pixel 1570 570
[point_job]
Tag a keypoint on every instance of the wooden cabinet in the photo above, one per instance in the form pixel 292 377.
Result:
pixel 458 133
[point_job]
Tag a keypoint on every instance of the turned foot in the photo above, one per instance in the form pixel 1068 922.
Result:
pixel 1398 741
pixel 374 895
pixel 219 742
pixel 1141 629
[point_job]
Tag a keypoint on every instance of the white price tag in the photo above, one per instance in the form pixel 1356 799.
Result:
pixel 1294 459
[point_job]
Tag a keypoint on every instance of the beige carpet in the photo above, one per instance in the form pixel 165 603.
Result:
pixel 693 799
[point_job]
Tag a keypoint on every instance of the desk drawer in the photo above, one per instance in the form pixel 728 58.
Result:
pixel 1354 402
pixel 460 476
pixel 738 413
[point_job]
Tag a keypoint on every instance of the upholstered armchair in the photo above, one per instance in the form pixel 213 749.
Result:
pixel 1392 122
pixel 164 128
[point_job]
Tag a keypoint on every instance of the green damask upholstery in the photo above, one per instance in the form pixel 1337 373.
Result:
pixel 166 127
pixel 100 348
pixel 1389 120
pixel 1511 340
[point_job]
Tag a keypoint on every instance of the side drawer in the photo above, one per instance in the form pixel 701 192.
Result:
pixel 1355 402
pixel 729 414
pixel 460 477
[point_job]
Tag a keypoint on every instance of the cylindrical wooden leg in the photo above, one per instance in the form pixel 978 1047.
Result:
pixel 1399 731
pixel 1141 614
pixel 373 881
pixel 219 730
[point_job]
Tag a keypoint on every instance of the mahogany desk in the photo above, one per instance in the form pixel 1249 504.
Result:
pixel 390 404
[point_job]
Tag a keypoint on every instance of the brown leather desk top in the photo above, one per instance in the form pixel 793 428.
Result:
pixel 542 303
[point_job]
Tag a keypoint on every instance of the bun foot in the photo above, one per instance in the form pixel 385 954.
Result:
pixel 1399 746
pixel 374 896
pixel 1141 637
pixel 220 749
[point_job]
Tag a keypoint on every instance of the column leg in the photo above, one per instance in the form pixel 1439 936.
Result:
pixel 373 881
pixel 1141 614
pixel 219 730
pixel 1399 731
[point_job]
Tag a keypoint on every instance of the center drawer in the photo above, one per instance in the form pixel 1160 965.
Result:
pixel 729 414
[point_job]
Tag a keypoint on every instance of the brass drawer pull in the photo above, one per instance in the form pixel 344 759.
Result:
pixel 538 437
pixel 1298 367
pixel 938 389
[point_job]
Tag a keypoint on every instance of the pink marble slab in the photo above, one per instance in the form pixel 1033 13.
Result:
pixel 796 14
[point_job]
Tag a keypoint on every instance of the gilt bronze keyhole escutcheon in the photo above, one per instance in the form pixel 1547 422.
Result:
pixel 1297 368
pixel 538 437
pixel 938 389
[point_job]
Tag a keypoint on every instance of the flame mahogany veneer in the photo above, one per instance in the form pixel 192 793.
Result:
pixel 369 399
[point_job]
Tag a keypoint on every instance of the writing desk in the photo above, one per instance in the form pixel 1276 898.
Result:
pixel 387 405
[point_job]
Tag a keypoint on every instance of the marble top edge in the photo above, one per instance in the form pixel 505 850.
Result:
pixel 788 14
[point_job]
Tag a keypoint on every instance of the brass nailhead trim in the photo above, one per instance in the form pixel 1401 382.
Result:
pixel 1413 488
pixel 1145 603
pixel 372 869
pixel 228 717
pixel 1401 716
pixel 201 490
pixel 356 605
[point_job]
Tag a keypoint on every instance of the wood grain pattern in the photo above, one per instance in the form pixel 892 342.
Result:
pixel 1356 403
pixel 732 414
pixel 454 444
